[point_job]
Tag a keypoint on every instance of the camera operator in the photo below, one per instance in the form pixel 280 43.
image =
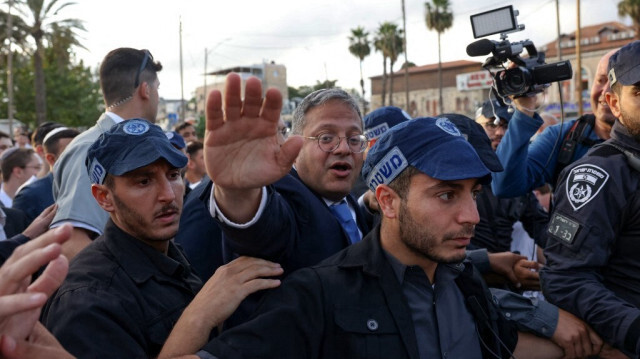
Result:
pixel 528 166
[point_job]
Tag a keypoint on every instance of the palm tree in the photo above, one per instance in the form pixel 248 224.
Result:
pixel 632 9
pixel 380 44
pixel 359 47
pixel 439 18
pixel 40 19
pixel 389 42
pixel 396 48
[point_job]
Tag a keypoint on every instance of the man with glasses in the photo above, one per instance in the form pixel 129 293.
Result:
pixel 129 83
pixel 294 216
pixel 18 166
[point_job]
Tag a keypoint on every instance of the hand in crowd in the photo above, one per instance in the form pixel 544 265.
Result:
pixel 527 275
pixel 241 146
pixel 503 263
pixel 41 345
pixel 609 352
pixel 526 104
pixel 41 223
pixel 575 337
pixel 217 300
pixel 21 300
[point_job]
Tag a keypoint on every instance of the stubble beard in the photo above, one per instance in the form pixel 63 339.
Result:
pixel 417 237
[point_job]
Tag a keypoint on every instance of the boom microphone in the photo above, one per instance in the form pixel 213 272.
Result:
pixel 481 47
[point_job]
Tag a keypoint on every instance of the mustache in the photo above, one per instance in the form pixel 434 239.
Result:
pixel 467 231
pixel 167 209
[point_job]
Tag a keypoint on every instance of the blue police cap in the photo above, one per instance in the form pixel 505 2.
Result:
pixel 493 109
pixel 624 65
pixel 176 139
pixel 382 119
pixel 477 137
pixel 435 146
pixel 129 145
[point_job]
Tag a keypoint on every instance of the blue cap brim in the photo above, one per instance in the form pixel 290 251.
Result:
pixel 147 152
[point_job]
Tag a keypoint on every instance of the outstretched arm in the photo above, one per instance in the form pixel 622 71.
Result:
pixel 242 153
pixel 216 301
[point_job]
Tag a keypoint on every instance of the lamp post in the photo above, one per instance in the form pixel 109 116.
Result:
pixel 206 55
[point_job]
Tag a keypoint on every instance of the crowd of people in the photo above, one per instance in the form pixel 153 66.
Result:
pixel 342 236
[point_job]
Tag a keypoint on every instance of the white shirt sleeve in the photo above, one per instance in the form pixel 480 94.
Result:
pixel 217 213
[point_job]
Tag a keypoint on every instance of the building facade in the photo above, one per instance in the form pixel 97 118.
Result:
pixel 271 75
pixel 466 85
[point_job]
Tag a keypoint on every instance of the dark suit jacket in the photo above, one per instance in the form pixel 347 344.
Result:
pixel 199 234
pixel 297 229
pixel 35 197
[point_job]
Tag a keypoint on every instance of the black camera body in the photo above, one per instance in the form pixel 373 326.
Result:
pixel 531 75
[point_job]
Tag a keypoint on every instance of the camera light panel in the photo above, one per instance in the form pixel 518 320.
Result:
pixel 501 20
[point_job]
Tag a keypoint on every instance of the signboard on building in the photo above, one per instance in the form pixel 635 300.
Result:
pixel 474 81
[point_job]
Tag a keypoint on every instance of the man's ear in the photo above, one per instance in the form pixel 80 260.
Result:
pixel 143 90
pixel 50 158
pixel 388 201
pixel 613 101
pixel 103 196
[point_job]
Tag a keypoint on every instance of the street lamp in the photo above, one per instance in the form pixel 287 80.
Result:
pixel 206 54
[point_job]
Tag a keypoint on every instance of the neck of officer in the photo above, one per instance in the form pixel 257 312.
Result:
pixel 392 242
pixel 132 109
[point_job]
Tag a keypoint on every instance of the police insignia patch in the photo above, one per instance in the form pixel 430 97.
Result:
pixel 584 183
pixel 135 127
pixel 445 125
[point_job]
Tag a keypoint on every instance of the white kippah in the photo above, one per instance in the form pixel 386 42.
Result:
pixel 53 132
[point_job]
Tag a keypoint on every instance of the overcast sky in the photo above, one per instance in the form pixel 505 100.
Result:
pixel 309 37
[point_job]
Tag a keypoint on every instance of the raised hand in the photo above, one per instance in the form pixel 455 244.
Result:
pixel 241 148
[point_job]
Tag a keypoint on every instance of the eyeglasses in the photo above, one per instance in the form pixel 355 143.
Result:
pixel 492 125
pixel 330 142
pixel 145 60
pixel 284 131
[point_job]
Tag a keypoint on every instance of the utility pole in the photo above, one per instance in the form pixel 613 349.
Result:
pixel 406 62
pixel 182 104
pixel 578 60
pixel 206 55
pixel 10 68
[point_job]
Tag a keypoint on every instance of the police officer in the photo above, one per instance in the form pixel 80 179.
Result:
pixel 593 255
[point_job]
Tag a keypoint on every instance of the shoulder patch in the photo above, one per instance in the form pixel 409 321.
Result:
pixel 584 183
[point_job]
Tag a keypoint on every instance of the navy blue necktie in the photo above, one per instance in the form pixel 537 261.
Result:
pixel 343 214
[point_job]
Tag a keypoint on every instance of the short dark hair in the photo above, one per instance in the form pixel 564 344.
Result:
pixel 109 181
pixel 401 183
pixel 19 157
pixel 53 142
pixel 118 71
pixel 193 147
pixel 181 126
pixel 41 131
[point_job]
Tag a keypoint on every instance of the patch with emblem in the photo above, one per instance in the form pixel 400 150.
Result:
pixel 584 183
pixel 447 126
pixel 563 228
pixel 135 127
pixel 387 169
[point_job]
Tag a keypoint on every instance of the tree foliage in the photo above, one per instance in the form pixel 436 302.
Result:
pixel 389 42
pixel 439 18
pixel 74 97
pixel 631 8
pixel 359 46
